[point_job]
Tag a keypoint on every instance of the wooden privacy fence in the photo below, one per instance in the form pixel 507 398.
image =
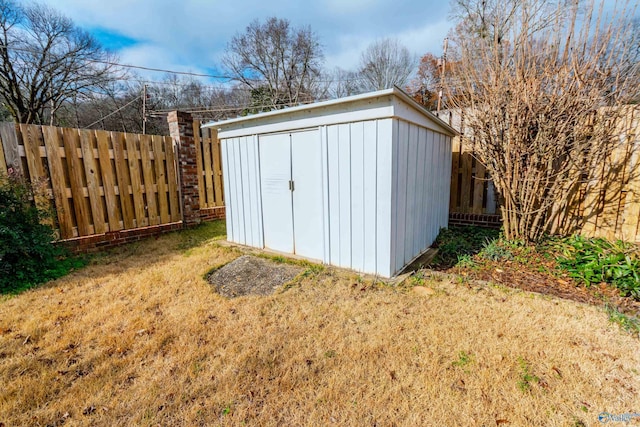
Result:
pixel 97 181
pixel 606 206
pixel 114 187
pixel 209 166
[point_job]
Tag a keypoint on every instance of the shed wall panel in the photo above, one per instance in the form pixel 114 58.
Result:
pixel 344 191
pixel 421 190
pixel 325 194
pixel 333 156
pixel 412 213
pixel 241 181
pixel 306 171
pixel 229 209
pixel 370 211
pixel 401 206
pixel 384 196
pixel 357 195
pixel 421 237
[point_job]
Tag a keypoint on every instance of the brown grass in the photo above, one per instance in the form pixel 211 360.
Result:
pixel 140 338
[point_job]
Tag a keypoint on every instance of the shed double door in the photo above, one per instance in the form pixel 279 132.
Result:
pixel 291 184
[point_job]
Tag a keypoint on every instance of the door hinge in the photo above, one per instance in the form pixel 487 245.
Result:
pixel 292 186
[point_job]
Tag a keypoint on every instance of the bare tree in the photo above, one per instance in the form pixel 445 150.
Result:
pixel 279 63
pixel 425 85
pixel 385 63
pixel 341 83
pixel 45 61
pixel 542 85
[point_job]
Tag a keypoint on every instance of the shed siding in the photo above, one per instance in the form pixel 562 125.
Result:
pixel 359 194
pixel 242 174
pixel 421 169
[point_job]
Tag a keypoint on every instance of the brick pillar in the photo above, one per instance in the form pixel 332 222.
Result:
pixel 181 131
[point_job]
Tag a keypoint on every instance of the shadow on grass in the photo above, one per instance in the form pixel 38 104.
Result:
pixel 160 248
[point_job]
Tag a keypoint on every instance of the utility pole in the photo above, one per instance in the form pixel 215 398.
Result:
pixel 443 63
pixel 144 109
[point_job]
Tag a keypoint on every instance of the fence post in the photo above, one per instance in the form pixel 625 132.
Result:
pixel 181 131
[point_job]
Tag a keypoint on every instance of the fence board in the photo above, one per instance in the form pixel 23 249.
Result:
pixel 217 168
pixel 478 188
pixel 108 180
pixel 9 138
pixel 3 162
pixel 455 171
pixel 124 180
pixel 133 156
pixel 58 183
pixel 466 177
pixel 199 160
pixel 161 178
pixel 93 181
pixel 32 141
pixel 75 169
pixel 172 175
pixel 149 181
pixel 208 174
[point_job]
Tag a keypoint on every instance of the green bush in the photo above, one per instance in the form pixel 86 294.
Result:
pixel 593 261
pixel 27 253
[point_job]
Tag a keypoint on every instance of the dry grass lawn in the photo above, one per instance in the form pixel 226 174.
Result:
pixel 140 338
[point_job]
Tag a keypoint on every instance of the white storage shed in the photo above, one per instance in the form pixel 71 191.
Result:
pixel 360 182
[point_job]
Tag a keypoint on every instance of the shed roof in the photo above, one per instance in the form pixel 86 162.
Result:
pixel 387 103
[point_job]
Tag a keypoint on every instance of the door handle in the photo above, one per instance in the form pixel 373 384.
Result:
pixel 291 185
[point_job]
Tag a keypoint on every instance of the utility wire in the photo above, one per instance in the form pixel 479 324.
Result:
pixel 113 112
pixel 117 64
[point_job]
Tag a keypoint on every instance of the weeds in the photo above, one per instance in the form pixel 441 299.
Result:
pixel 592 261
pixel 455 242
pixel 494 250
pixel 464 359
pixel 526 377
pixel 465 261
pixel 628 323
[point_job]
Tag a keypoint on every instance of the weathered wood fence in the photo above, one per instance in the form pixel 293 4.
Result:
pixel 209 164
pixel 112 186
pixel 607 206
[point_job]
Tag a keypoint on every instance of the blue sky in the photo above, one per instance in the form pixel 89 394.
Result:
pixel 191 35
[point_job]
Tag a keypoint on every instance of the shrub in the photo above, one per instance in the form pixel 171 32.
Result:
pixel 27 253
pixel 592 261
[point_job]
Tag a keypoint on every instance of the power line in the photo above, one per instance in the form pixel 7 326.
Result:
pixel 113 112
pixel 117 64
pixel 204 109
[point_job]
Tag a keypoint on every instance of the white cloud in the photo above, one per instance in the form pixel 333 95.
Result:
pixel 192 34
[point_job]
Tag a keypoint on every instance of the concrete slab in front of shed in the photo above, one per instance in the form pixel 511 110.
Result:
pixel 249 275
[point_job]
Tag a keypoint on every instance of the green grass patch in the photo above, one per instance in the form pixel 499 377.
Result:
pixel 526 377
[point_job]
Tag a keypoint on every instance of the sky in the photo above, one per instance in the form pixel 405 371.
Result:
pixel 191 35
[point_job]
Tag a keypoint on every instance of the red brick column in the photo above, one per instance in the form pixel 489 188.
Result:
pixel 181 131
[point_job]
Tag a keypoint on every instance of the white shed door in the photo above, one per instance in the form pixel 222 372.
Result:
pixel 306 170
pixel 292 204
pixel 275 175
